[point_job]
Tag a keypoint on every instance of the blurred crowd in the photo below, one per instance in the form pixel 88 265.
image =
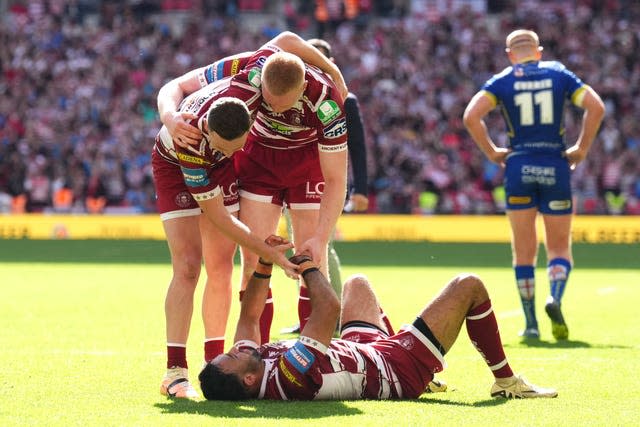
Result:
pixel 78 85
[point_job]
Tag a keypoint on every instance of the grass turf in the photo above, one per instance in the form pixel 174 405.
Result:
pixel 83 344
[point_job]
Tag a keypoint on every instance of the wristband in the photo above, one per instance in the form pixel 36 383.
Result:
pixel 263 262
pixel 307 267
pixel 261 276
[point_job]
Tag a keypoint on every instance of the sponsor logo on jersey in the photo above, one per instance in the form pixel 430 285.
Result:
pixel 235 65
pixel 287 374
pixel 192 159
pixel 559 205
pixel 279 127
pixel 195 177
pixel 183 199
pixel 336 130
pixel 300 357
pixel 255 77
pixel 327 111
pixel 519 200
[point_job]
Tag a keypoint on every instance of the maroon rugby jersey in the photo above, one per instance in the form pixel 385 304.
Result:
pixel 200 163
pixel 318 117
pixel 305 369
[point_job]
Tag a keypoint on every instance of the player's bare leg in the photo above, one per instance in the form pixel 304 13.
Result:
pixel 262 218
pixel 303 224
pixel 183 238
pixel 560 262
pixel 360 303
pixel 218 251
pixel 524 246
pixel 465 299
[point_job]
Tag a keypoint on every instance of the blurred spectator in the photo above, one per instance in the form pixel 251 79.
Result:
pixel 78 80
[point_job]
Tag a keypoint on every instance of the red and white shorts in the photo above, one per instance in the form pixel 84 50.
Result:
pixel 173 199
pixel 291 178
pixel 412 355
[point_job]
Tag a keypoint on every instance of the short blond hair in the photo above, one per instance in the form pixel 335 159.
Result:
pixel 521 38
pixel 283 72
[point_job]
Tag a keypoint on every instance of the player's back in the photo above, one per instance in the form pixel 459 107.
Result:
pixel 532 98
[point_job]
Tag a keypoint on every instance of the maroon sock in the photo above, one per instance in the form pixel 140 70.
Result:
pixel 266 319
pixel 176 356
pixel 304 306
pixel 482 328
pixel 212 348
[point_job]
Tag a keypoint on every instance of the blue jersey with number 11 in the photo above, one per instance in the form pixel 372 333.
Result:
pixel 532 98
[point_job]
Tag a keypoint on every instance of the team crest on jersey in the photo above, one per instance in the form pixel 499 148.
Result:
pixel 518 71
pixel 183 199
pixel 255 78
pixel 327 111
pixel 407 342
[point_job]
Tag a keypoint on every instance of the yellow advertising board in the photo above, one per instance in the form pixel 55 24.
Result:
pixel 459 228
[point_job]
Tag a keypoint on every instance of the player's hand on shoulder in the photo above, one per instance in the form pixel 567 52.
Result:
pixel 182 132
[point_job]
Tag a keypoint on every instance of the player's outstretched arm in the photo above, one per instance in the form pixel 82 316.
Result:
pixel 334 171
pixel 255 296
pixel 238 232
pixel 325 305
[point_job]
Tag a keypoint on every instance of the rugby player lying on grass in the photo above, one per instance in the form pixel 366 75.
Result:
pixel 366 362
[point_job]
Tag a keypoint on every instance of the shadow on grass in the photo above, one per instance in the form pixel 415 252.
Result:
pixel 259 409
pixel 480 404
pixel 565 344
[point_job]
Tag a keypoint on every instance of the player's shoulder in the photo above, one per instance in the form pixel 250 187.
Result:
pixel 506 72
pixel 552 65
pixel 320 89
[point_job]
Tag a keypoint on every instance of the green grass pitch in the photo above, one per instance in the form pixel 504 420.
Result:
pixel 82 343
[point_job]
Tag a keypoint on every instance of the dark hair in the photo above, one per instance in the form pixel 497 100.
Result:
pixel 229 117
pixel 217 385
pixel 322 45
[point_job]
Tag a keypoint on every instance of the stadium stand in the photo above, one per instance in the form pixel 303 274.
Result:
pixel 78 81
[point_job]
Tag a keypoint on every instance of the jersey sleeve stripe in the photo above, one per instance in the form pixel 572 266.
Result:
pixel 492 97
pixel 578 96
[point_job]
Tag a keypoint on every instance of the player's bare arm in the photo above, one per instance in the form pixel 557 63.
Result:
pixel 473 118
pixel 325 305
pixel 238 232
pixel 592 118
pixel 334 171
pixel 169 98
pixel 255 295
pixel 292 43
